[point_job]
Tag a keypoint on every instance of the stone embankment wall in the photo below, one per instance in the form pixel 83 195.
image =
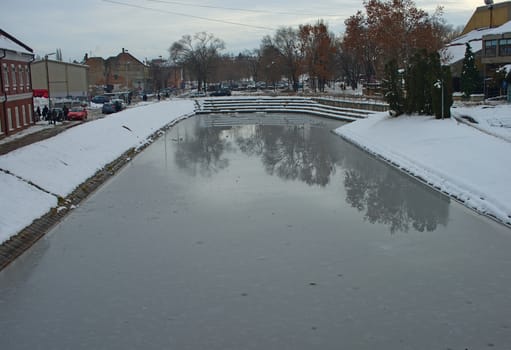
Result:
pixel 370 105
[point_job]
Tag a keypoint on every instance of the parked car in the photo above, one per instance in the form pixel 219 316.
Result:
pixel 108 108
pixel 77 113
pixel 221 92
pixel 100 99
pixel 197 94
pixel 119 104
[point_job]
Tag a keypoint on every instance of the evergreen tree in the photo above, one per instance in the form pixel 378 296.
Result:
pixel 470 81
pixel 393 91
pixel 424 79
pixel 417 84
pixel 434 83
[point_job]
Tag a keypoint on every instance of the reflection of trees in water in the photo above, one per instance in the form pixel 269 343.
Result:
pixel 293 152
pixel 311 154
pixel 201 151
pixel 389 198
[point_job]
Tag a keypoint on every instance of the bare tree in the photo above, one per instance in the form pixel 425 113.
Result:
pixel 197 54
pixel 253 63
pixel 286 42
pixel 270 65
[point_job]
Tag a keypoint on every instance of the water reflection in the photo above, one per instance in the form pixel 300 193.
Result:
pixel 395 201
pixel 201 151
pixel 304 149
pixel 292 153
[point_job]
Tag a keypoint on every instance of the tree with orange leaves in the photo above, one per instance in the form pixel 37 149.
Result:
pixel 391 29
pixel 318 48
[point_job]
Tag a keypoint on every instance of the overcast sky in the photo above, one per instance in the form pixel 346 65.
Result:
pixel 147 28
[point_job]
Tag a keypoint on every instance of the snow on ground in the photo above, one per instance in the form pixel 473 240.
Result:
pixel 495 120
pixel 458 159
pixel 59 164
pixel 21 203
pixel 33 129
pixel 468 163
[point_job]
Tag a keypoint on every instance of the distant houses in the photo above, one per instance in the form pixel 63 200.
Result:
pixel 124 72
pixel 16 102
pixel 116 73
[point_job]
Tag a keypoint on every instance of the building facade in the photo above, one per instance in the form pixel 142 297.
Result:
pixel 16 102
pixel 61 78
pixel 164 75
pixel 497 45
pixel 485 33
pixel 489 16
pixel 118 73
pixel 496 55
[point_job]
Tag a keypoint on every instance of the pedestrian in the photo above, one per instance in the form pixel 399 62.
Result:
pixel 65 111
pixel 38 113
pixel 144 98
pixel 54 116
pixel 45 113
pixel 159 97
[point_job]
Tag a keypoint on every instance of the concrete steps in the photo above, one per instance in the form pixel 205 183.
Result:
pixel 278 105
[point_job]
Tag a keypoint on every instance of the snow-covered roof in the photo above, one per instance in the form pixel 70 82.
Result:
pixel 505 28
pixel 455 50
pixel 8 42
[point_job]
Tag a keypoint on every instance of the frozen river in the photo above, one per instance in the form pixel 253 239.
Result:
pixel 261 232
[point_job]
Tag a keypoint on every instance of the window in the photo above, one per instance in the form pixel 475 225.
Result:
pixel 490 47
pixel 20 70
pixel 9 119
pixel 505 47
pixel 13 76
pixel 24 115
pixel 6 76
pixel 17 114
pixel 27 77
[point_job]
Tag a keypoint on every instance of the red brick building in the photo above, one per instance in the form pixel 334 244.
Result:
pixel 118 73
pixel 16 102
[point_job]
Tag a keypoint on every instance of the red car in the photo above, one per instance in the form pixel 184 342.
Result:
pixel 77 113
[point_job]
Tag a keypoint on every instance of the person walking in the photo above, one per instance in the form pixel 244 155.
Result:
pixel 38 113
pixel 54 116
pixel 45 113
pixel 65 111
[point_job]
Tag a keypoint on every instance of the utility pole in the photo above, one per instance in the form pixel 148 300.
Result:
pixel 48 77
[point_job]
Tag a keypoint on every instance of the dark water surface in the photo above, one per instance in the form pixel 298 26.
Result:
pixel 272 235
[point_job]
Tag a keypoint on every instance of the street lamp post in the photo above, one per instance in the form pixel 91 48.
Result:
pixel 48 77
pixel 442 82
